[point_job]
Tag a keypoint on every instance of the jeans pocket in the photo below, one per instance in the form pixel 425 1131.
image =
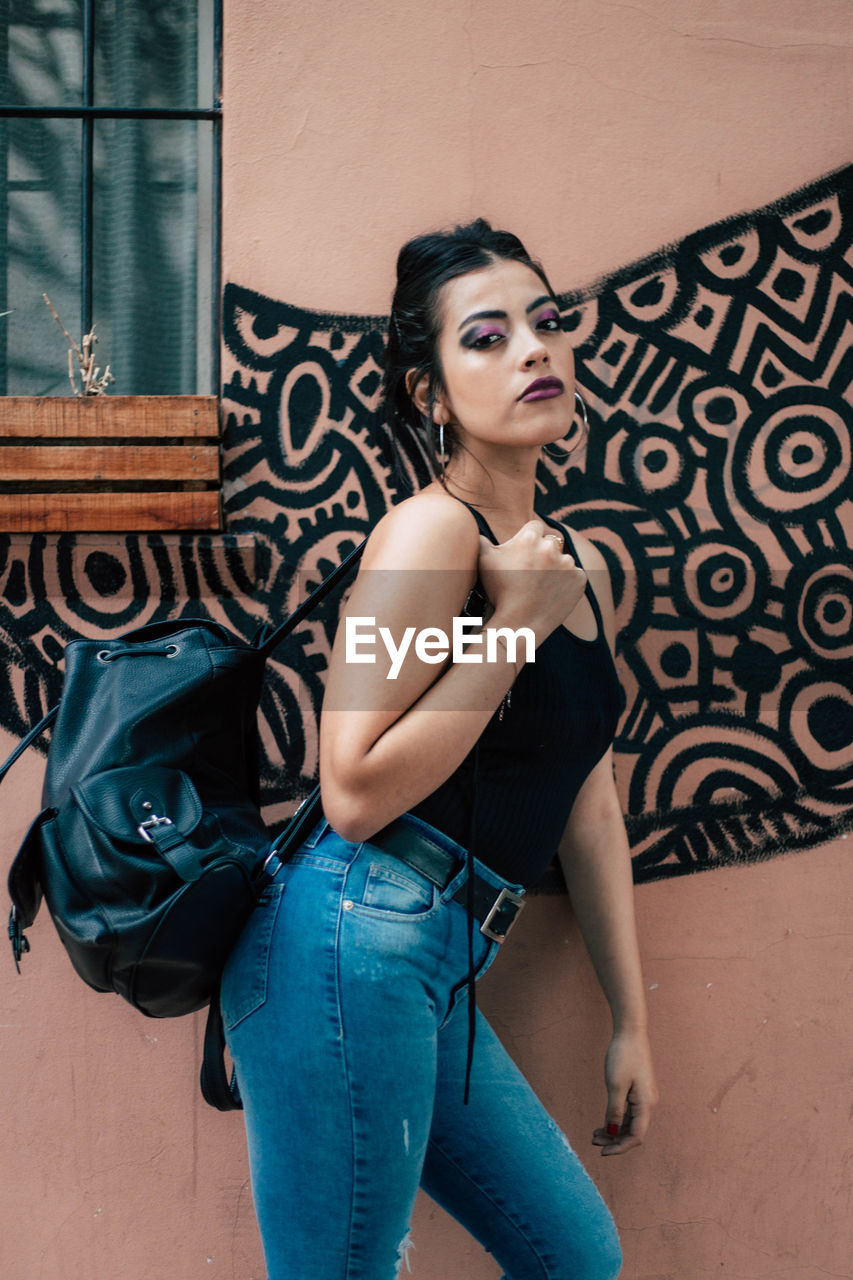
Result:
pixel 244 981
pixel 389 891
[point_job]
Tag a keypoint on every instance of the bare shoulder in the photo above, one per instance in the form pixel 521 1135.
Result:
pixel 430 530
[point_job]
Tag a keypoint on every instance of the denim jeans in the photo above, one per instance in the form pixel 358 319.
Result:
pixel 346 1015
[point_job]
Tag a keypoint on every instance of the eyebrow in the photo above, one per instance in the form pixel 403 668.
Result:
pixel 502 315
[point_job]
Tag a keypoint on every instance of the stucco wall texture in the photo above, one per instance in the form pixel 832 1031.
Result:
pixel 599 132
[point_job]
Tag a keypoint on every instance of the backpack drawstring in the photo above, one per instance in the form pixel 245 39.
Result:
pixel 469 905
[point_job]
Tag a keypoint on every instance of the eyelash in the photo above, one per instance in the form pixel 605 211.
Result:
pixel 482 341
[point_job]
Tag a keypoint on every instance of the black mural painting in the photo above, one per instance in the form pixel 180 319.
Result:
pixel 715 477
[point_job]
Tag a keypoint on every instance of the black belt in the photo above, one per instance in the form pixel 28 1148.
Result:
pixel 495 909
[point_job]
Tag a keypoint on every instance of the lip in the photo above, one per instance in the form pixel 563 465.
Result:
pixel 543 389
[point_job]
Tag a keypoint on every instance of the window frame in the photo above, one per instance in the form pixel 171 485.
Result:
pixel 88 113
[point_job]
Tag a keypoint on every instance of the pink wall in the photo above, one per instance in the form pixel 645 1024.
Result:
pixel 599 133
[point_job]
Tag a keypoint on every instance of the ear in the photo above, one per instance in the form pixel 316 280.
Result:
pixel 418 389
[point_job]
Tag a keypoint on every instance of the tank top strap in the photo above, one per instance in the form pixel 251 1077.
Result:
pixel 482 523
pixel 589 592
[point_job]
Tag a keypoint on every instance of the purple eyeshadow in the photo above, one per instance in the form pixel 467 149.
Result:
pixel 486 331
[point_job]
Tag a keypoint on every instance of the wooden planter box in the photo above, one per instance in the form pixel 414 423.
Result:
pixel 109 463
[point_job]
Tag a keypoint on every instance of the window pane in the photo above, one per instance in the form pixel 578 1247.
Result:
pixel 153 53
pixel 41 53
pixel 43 253
pixel 153 254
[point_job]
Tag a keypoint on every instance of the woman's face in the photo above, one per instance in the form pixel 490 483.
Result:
pixel 507 365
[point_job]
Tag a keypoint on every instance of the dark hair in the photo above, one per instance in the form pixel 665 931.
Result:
pixel 424 265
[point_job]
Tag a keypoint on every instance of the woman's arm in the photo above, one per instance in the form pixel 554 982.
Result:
pixel 596 862
pixel 385 743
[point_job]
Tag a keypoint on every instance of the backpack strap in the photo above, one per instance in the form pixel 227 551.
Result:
pixel 266 642
pixel 216 1088
pixel 24 887
pixel 28 741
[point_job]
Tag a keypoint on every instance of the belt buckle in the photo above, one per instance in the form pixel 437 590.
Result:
pixel 491 926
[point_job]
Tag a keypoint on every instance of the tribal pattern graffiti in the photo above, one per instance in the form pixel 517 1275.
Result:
pixel 715 477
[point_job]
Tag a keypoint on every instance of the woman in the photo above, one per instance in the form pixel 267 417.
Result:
pixel 364 1067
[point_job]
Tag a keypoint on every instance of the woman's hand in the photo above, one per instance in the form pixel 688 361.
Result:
pixel 529 580
pixel 632 1093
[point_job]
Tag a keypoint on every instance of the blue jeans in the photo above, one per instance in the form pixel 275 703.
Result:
pixel 346 1015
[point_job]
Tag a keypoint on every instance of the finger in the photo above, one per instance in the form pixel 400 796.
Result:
pixel 641 1117
pixel 613 1143
pixel 616 1146
pixel 488 549
pixel 548 531
pixel 551 535
pixel 534 528
pixel 617 1114
pixel 615 1121
pixel 615 1139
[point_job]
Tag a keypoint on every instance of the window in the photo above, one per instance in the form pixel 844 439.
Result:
pixel 109 191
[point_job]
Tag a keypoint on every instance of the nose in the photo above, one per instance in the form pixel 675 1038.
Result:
pixel 535 352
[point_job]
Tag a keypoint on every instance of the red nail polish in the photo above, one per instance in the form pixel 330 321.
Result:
pixel 612 1130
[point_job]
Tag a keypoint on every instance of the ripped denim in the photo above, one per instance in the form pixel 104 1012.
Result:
pixel 346 1015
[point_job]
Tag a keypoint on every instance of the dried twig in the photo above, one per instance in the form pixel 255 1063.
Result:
pixel 92 381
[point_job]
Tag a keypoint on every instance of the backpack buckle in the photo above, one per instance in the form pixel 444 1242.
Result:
pixel 151 824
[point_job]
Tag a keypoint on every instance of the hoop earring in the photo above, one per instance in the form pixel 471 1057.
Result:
pixel 580 401
pixel 441 450
pixel 562 454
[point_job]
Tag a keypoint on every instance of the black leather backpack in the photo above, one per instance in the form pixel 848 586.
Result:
pixel 150 850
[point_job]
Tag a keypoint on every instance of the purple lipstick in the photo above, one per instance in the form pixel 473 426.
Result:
pixel 543 389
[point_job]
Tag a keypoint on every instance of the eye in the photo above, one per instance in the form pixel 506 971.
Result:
pixel 481 339
pixel 550 322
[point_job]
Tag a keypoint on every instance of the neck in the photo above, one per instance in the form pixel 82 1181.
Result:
pixel 502 485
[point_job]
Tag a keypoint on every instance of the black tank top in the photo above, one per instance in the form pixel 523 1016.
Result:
pixel 535 753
